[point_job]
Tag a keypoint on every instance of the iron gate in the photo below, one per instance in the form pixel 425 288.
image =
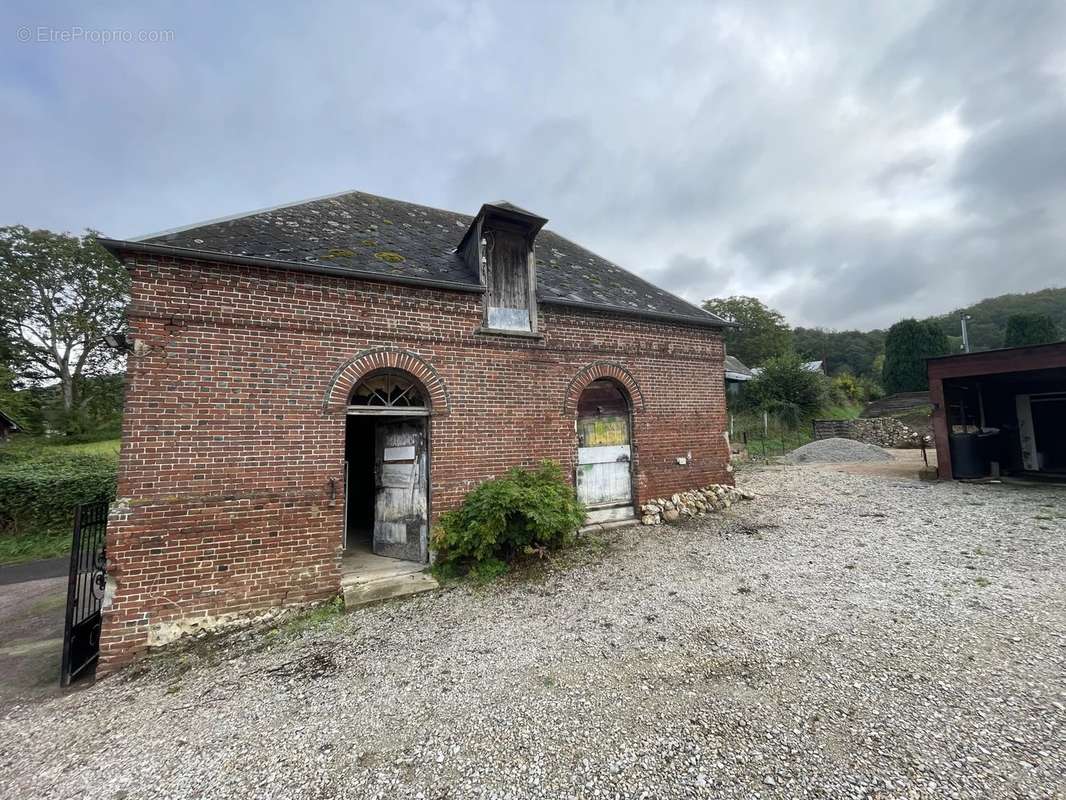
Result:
pixel 85 591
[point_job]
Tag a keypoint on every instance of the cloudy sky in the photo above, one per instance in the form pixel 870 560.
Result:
pixel 849 166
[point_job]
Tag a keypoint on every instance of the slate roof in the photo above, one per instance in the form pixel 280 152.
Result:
pixel 369 236
pixel 736 370
pixel 810 366
pixel 8 423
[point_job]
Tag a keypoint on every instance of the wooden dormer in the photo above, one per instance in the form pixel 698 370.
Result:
pixel 499 245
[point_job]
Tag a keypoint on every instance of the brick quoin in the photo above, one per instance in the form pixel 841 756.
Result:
pixel 234 423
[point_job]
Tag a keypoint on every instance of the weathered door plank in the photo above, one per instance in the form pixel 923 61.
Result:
pixel 400 507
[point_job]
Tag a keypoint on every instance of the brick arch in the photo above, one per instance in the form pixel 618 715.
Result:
pixel 595 371
pixel 347 376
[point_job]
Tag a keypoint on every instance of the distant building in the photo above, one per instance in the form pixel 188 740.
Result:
pixel 810 366
pixel 736 373
pixel 8 426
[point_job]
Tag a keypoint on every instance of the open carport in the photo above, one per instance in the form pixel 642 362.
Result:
pixel 1001 412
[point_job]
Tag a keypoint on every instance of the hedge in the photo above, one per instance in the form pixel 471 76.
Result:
pixel 39 491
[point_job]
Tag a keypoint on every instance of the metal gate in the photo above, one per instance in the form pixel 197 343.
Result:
pixel 85 591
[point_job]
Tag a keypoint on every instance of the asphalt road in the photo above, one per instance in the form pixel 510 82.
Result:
pixel 34 570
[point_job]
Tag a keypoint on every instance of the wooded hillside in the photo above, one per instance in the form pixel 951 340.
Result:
pixel 989 324
pixel 856 351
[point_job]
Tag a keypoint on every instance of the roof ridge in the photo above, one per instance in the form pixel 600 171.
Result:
pixel 280 206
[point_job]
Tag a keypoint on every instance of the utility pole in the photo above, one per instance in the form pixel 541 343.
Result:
pixel 965 333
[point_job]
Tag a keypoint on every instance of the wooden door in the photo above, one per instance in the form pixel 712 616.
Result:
pixel 1026 432
pixel 400 506
pixel 604 449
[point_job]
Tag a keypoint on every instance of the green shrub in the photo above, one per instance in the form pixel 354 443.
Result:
pixel 39 489
pixel 786 389
pixel 503 518
pixel 846 388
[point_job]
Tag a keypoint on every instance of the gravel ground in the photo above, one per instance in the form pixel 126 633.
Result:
pixel 841 636
pixel 31 639
pixel 837 451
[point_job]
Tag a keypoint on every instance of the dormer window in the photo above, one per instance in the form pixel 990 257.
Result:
pixel 500 245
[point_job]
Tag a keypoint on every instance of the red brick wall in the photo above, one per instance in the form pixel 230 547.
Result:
pixel 234 423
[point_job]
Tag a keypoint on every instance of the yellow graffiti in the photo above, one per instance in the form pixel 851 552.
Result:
pixel 602 431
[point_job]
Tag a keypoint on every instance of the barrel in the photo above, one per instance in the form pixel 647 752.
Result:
pixel 966 456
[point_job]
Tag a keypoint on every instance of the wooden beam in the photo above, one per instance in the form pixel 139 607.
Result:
pixel 387 411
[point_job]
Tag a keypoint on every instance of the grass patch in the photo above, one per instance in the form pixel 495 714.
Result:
pixel 846 411
pixel 34 546
pixel 107 448
pixel 23 447
pixel 982 581
pixel 319 616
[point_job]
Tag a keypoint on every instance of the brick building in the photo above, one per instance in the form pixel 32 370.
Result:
pixel 328 377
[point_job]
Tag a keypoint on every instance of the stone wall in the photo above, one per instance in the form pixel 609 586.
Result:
pixel 881 431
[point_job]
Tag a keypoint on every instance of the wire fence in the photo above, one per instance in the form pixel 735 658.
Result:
pixel 767 436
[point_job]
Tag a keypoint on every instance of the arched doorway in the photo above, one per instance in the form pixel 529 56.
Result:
pixel 604 451
pixel 386 467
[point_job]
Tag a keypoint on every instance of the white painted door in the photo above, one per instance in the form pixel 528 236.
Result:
pixel 400 506
pixel 604 451
pixel 603 475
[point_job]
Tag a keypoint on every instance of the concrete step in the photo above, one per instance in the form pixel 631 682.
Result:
pixel 609 526
pixel 605 514
pixel 367 589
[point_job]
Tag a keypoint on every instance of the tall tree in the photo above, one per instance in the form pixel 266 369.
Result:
pixel 761 332
pixel 1030 328
pixel 59 296
pixel 843 351
pixel 908 344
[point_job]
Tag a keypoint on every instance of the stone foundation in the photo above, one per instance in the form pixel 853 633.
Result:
pixel 696 503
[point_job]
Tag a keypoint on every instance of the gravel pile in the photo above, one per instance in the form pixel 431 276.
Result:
pixel 837 451
pixel 842 636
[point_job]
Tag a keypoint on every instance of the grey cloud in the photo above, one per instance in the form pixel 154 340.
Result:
pixel 799 153
pixel 910 168
pixel 695 277
pixel 1020 161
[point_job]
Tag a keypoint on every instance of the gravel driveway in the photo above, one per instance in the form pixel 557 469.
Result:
pixel 31 637
pixel 842 636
